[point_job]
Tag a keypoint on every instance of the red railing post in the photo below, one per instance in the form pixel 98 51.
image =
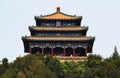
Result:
pixel 86 52
pixel 52 51
pixel 42 51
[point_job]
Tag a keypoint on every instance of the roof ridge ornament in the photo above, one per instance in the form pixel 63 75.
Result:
pixel 58 9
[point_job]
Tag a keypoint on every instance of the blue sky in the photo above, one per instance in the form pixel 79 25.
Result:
pixel 102 17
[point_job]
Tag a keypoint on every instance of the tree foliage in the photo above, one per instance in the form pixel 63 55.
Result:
pixel 30 66
pixel 115 54
pixel 37 66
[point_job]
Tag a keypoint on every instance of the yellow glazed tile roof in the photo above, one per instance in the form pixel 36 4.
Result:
pixel 59 38
pixel 59 28
pixel 58 15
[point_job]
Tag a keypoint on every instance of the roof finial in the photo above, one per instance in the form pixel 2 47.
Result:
pixel 58 9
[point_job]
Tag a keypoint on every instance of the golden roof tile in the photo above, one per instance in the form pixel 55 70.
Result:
pixel 59 38
pixel 59 28
pixel 58 15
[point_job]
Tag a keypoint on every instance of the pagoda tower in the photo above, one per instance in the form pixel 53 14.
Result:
pixel 60 35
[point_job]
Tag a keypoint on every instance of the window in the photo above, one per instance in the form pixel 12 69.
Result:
pixel 58 23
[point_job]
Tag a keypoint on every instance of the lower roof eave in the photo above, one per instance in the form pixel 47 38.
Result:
pixel 58 38
pixel 31 40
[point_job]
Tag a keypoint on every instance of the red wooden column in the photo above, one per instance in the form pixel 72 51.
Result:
pixel 30 50
pixel 64 51
pixel 42 51
pixel 74 51
pixel 86 52
pixel 52 51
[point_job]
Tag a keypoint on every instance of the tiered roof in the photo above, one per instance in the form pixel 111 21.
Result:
pixel 59 38
pixel 37 32
pixel 73 28
pixel 58 15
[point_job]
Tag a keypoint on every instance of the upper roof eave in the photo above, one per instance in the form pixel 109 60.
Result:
pixel 58 15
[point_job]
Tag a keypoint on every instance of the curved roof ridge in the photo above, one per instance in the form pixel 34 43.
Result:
pixel 58 15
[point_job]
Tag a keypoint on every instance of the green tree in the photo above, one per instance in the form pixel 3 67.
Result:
pixel 56 67
pixel 21 75
pixel 32 67
pixel 94 60
pixel 5 63
pixel 9 73
pixel 89 73
pixel 107 70
pixel 47 59
pixel 115 54
pixel 74 69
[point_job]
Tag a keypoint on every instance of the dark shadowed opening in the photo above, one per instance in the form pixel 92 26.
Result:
pixel 79 51
pixel 69 51
pixel 36 49
pixel 47 51
pixel 58 51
